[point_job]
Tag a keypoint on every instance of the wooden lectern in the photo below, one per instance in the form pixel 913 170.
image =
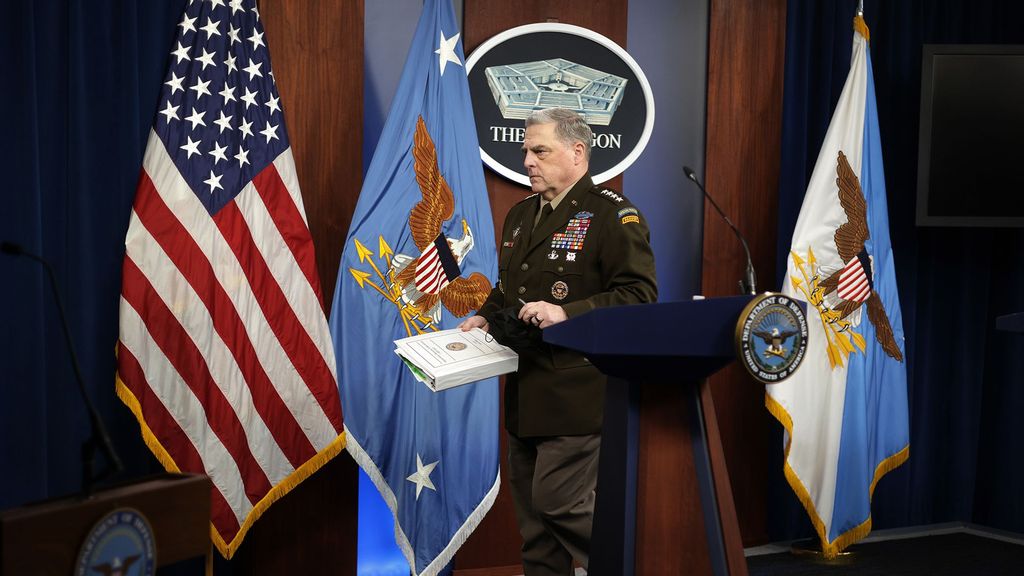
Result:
pixel 45 538
pixel 664 504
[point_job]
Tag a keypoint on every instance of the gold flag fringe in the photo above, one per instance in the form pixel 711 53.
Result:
pixel 861 27
pixel 228 549
pixel 830 549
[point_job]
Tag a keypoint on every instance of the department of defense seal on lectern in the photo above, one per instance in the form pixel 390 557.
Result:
pixel 120 543
pixel 771 337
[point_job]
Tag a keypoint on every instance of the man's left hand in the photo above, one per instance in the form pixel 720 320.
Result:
pixel 542 314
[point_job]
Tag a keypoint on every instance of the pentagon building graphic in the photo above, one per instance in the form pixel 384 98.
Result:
pixel 519 89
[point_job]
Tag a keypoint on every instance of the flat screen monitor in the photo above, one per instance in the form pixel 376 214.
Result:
pixel 971 145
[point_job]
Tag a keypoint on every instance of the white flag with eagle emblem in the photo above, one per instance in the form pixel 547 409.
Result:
pixel 845 409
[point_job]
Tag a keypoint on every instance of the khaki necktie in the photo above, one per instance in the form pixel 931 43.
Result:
pixel 544 213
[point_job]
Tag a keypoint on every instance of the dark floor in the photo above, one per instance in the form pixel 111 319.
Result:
pixel 938 555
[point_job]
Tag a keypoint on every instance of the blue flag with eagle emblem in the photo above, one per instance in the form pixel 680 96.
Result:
pixel 418 258
pixel 845 409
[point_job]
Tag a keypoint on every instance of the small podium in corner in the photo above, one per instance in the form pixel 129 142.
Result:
pixel 45 538
pixel 664 503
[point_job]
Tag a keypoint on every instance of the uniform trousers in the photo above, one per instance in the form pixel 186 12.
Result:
pixel 553 479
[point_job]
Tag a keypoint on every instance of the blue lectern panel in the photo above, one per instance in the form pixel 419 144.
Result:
pixel 693 338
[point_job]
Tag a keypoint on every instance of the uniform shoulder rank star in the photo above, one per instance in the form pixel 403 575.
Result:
pixel 611 195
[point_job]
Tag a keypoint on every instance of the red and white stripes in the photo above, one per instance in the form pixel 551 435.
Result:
pixel 430 276
pixel 224 345
pixel 853 282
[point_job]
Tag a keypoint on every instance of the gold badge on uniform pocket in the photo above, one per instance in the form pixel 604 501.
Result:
pixel 559 290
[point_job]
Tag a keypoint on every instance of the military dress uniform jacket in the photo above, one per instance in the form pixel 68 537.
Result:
pixel 593 250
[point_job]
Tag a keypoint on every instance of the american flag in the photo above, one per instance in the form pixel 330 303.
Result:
pixel 224 355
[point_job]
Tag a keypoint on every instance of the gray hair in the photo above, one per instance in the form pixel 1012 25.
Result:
pixel 570 127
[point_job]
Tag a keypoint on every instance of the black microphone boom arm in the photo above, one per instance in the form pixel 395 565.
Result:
pixel 749 285
pixel 99 431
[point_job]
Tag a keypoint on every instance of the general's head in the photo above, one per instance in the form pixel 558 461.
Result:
pixel 556 150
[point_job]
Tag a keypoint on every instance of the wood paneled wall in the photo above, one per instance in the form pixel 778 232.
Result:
pixel 744 127
pixel 317 55
pixel 317 52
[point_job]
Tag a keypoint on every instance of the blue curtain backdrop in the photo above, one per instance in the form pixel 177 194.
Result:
pixel 80 84
pixel 965 379
pixel 80 87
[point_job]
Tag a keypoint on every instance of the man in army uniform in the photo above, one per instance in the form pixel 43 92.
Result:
pixel 567 249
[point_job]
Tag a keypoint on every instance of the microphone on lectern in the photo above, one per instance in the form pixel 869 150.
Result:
pixel 749 285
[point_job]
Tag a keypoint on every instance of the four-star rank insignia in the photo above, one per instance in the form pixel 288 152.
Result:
pixel 839 294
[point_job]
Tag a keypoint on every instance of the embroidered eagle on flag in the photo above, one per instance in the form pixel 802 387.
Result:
pixel 853 283
pixel 435 277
